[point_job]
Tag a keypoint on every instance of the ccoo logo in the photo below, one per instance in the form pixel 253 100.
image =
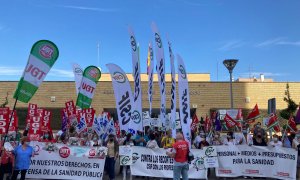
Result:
pixel 119 77
pixel 125 160
pixel 199 163
pixel 209 151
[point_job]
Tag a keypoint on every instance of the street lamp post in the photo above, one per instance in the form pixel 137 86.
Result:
pixel 230 64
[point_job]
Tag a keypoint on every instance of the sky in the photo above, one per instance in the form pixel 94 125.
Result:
pixel 263 34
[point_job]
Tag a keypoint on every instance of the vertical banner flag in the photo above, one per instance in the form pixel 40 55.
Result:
pixel 254 114
pixel 14 121
pixel 31 111
pixel 42 57
pixel 173 92
pixel 91 76
pixel 160 68
pixel 150 64
pixel 184 100
pixel 64 118
pixel 230 122
pixel 77 70
pixel 45 121
pixel 136 115
pixel 123 95
pixel 4 119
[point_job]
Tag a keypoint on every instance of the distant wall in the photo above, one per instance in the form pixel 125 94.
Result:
pixel 203 95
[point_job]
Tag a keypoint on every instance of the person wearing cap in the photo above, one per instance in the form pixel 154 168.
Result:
pixel 23 154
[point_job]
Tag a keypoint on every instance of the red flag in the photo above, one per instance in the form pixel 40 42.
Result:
pixel 35 128
pixel 117 127
pixel 89 116
pixel 253 115
pixel 32 110
pixel 4 119
pixel 230 123
pixel 273 123
pixel 195 122
pixel 71 110
pixel 207 124
pixel 14 121
pixel 45 120
pixel 239 115
pixel 292 124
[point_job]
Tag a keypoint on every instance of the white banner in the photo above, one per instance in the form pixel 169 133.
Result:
pixel 123 95
pixel 160 68
pixel 150 76
pixel 155 163
pixel 184 100
pixel 136 122
pixel 173 93
pixel 63 162
pixel 257 161
pixel 77 70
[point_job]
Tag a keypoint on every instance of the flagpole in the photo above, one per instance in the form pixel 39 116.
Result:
pixel 6 132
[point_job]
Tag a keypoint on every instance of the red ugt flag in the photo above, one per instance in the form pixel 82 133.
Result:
pixel 230 123
pixel 253 115
pixel 195 122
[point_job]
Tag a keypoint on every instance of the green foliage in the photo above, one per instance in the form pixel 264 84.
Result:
pixel 291 105
pixel 6 101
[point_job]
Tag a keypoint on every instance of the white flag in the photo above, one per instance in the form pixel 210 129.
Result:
pixel 123 95
pixel 160 68
pixel 173 93
pixel 77 70
pixel 150 65
pixel 184 100
pixel 136 119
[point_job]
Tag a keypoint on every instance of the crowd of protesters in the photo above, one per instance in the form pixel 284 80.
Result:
pixel 16 161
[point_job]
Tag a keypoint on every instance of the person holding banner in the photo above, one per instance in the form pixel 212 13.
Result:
pixel 167 141
pixel 152 142
pixel 296 145
pixel 6 163
pixel 23 154
pixel 112 155
pixel 180 153
pixel 275 141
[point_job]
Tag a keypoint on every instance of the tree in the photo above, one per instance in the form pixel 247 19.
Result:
pixel 292 106
pixel 6 101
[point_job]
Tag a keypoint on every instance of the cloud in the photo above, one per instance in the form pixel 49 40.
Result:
pixel 278 41
pixel 231 45
pixel 17 71
pixel 90 8
pixel 10 71
pixel 61 73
